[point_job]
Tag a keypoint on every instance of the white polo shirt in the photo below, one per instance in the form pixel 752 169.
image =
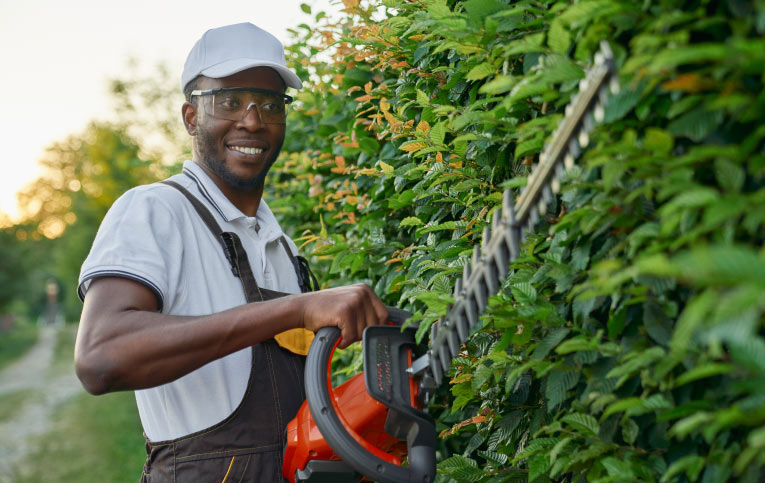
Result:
pixel 153 235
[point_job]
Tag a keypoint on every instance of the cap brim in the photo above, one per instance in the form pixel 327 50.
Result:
pixel 230 67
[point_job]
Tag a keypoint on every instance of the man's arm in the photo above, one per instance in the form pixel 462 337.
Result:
pixel 123 343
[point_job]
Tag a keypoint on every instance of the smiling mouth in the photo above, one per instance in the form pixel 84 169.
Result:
pixel 246 150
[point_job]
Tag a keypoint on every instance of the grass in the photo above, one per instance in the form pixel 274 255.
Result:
pixel 15 342
pixel 94 439
pixel 12 403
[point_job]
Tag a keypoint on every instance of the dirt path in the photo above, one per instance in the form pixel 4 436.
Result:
pixel 49 385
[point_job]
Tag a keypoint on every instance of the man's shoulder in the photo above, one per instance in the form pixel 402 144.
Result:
pixel 154 196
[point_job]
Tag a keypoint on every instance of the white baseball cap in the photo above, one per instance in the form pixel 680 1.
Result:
pixel 224 51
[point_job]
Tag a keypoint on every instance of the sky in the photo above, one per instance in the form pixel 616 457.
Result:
pixel 57 58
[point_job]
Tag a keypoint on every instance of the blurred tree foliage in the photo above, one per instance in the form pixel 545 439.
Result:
pixel 147 106
pixel 82 176
pixel 627 342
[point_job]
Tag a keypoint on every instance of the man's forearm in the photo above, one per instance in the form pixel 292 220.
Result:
pixel 137 349
pixel 123 343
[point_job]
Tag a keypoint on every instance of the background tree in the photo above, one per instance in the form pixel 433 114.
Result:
pixel 82 176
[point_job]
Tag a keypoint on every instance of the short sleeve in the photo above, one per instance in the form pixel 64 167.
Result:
pixel 138 239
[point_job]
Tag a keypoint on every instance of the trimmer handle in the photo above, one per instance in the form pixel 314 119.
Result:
pixel 352 448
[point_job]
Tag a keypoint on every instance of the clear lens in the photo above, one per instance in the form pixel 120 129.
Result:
pixel 234 105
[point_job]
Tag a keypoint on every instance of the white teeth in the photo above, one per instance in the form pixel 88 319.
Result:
pixel 245 150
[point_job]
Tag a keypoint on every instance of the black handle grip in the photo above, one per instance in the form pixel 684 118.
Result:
pixel 319 398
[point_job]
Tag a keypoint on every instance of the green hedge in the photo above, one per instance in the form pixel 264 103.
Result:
pixel 627 342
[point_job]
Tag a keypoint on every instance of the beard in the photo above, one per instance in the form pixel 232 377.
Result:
pixel 216 161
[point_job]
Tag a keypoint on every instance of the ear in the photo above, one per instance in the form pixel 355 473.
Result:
pixel 189 114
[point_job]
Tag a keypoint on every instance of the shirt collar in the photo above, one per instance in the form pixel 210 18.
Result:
pixel 269 226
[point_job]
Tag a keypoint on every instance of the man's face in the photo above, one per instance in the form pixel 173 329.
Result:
pixel 238 153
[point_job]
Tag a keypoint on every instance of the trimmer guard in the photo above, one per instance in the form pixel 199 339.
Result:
pixel 387 355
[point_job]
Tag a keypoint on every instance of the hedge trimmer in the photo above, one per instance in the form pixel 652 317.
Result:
pixel 358 429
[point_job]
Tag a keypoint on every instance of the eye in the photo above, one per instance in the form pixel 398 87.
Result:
pixel 228 101
pixel 272 105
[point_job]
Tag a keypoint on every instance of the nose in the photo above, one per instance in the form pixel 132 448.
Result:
pixel 251 119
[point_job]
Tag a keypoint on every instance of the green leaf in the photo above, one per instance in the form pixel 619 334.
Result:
pixel 749 353
pixel 670 58
pixel 477 10
pixel 690 464
pixel 635 361
pixel 448 225
pixel 411 221
pixel 527 87
pixel 577 344
pixel 437 133
pixel 306 8
pixel 559 68
pixel 424 328
pixel 694 314
pixel 696 124
pixel 422 98
pixel 439 9
pixel 538 465
pixel 461 468
pixel 558 37
pixel 658 141
pixel 730 176
pixel 630 430
pixel 401 200
pixel 498 85
pixel 558 383
pixel 437 302
pixel 494 457
pixel 548 343
pixel 702 372
pixel 531 146
pixel 583 423
pixel 475 441
pixel 621 104
pixel 524 293
pixel 692 198
pixel 481 71
pixel 617 468
pixel 623 405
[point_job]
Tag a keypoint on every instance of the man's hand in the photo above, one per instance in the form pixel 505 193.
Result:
pixel 352 308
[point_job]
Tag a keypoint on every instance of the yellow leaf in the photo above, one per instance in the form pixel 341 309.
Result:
pixel 323 233
pixel 386 168
pixel 685 82
pixel 413 147
pixel 367 172
pixel 423 127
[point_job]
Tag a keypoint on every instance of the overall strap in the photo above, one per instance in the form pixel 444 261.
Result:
pixel 232 246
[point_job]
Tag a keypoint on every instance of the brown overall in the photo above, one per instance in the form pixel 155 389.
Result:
pixel 246 446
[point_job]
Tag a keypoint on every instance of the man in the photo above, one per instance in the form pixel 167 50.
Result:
pixel 167 281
